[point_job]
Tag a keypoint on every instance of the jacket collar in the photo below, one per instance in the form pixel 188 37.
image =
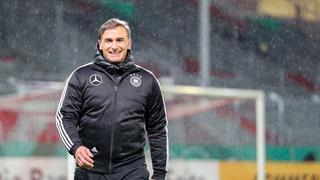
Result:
pixel 113 67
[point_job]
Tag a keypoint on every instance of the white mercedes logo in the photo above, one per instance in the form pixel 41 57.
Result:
pixel 95 79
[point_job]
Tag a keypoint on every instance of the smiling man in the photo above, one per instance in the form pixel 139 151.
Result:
pixel 106 109
pixel 114 42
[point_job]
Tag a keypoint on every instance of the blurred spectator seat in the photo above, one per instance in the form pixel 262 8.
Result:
pixel 8 120
pixel 303 81
pixel 191 66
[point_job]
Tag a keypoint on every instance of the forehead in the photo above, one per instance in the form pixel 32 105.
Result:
pixel 118 31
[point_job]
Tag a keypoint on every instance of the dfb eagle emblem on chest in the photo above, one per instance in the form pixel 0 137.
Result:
pixel 135 80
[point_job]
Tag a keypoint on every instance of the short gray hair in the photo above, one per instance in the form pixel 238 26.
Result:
pixel 112 23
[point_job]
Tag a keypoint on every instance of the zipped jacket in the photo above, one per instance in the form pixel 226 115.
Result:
pixel 110 109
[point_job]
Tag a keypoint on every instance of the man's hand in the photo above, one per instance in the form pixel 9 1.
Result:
pixel 84 157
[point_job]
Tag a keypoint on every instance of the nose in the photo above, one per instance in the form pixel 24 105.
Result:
pixel 114 45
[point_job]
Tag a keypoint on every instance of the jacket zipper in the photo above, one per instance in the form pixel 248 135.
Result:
pixel 116 83
pixel 114 119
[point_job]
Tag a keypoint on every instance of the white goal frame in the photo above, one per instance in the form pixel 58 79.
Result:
pixel 257 95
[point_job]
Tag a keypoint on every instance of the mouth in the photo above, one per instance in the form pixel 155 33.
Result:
pixel 114 53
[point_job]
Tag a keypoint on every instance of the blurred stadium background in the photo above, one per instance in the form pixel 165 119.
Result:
pixel 268 45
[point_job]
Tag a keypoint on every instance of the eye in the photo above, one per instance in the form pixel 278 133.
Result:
pixel 108 40
pixel 120 39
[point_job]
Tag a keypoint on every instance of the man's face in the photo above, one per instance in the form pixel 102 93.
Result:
pixel 114 44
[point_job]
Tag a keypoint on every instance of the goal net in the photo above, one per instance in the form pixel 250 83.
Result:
pixel 30 147
pixel 206 125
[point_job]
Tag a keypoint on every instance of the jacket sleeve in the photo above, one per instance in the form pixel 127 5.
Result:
pixel 68 114
pixel 156 126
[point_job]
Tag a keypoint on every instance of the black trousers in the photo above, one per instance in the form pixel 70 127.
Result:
pixel 135 173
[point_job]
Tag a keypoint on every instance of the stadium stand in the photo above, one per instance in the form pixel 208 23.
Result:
pixel 247 52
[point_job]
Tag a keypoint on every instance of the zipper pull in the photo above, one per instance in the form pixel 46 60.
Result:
pixel 118 79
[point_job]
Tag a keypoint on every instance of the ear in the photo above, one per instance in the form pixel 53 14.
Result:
pixel 130 42
pixel 99 45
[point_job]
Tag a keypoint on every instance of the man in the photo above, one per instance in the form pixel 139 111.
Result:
pixel 106 109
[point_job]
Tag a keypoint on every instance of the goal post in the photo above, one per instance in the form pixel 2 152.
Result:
pixel 257 95
pixel 212 98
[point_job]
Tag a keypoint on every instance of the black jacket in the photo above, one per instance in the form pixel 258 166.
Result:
pixel 109 108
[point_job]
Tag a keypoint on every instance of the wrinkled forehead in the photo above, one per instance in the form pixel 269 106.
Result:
pixel 116 29
pixel 115 33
